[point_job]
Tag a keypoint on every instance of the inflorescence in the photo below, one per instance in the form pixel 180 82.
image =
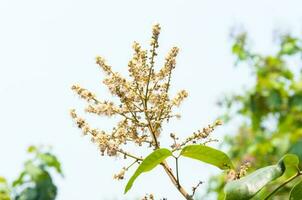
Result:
pixel 144 104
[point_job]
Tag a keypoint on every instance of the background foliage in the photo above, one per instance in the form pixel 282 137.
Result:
pixel 35 181
pixel 268 114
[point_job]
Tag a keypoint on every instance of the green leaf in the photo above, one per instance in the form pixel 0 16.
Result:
pixel 28 194
pixel 4 189
pixel 150 162
pixel 274 100
pixel 297 149
pixel 289 45
pixel 295 102
pixel 33 171
pixel 19 180
pixel 2 180
pixel 45 187
pixel 32 149
pixel 296 192
pixel 289 161
pixel 51 161
pixel 248 186
pixel 208 155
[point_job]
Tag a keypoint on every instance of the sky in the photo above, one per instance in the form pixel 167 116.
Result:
pixel 46 46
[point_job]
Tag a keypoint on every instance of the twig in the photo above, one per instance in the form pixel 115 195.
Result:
pixel 195 188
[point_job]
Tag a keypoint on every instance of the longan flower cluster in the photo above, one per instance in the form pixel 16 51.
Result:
pixel 144 103
pixel 148 197
pixel 83 93
pixel 238 173
pixel 200 134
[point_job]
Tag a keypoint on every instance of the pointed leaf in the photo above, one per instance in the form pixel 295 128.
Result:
pixel 208 155
pixel 296 192
pixel 248 186
pixel 150 162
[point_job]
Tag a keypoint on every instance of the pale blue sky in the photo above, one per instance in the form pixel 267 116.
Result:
pixel 45 46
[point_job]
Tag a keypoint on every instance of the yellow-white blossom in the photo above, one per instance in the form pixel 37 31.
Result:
pixel 144 104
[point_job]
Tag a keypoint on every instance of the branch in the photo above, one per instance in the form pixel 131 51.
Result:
pixel 129 155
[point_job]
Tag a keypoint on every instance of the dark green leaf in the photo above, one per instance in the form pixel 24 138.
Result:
pixel 151 161
pixel 296 192
pixel 274 100
pixel 297 149
pixel 208 155
pixel 28 194
pixel 295 102
pixel 45 187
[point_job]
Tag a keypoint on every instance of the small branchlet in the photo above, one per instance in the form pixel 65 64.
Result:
pixel 195 188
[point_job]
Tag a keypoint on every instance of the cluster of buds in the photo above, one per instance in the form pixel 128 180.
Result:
pixel 200 134
pixel 148 197
pixel 83 93
pixel 179 97
pixel 120 175
pixel 243 169
pixel 106 142
pixel 169 64
pixel 240 172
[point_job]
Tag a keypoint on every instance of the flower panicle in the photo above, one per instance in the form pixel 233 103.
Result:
pixel 83 93
pixel 144 103
pixel 201 134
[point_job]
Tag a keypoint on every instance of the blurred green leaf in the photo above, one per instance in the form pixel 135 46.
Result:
pixel 4 189
pixel 274 100
pixel 2 180
pixel 248 186
pixel 295 102
pixel 51 161
pixel 28 194
pixel 289 160
pixel 32 149
pixel 297 150
pixel 150 162
pixel 289 45
pixel 19 180
pixel 35 181
pixel 296 192
pixel 33 171
pixel 208 155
